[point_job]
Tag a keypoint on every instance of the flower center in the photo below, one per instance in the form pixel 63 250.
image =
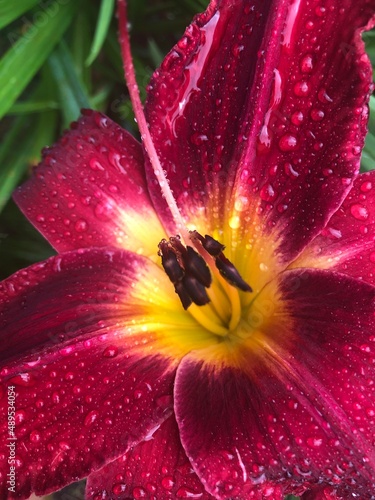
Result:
pixel 189 269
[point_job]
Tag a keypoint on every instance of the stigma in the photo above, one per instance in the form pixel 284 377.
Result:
pixel 188 268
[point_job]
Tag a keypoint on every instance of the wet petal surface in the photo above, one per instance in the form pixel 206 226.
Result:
pixel 346 244
pixel 90 190
pixel 271 125
pixel 267 417
pixel 91 361
pixel 156 469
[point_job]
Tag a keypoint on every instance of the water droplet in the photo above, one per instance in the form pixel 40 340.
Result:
pixel 167 482
pixel 40 218
pixel 91 417
pixel 35 437
pixel 314 442
pixel 323 96
pixel 234 222
pixel 80 226
pixel 64 445
pixel 359 212
pixel 267 193
pixel 186 493
pixel 110 352
pixel 297 118
pixel 301 89
pixel 103 210
pixel 288 142
pixel 23 379
pixel 317 114
pixel 19 416
pixel 241 203
pixel 372 257
pixel 237 49
pixel 197 139
pixel 366 186
pixel 320 11
pixel 289 170
pixel 118 488
pixel 139 493
pixel 307 63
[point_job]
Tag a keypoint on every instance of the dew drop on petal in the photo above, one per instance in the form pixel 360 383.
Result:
pixel 23 379
pixel 110 352
pixel 267 193
pixel 301 89
pixel 234 222
pixel 317 114
pixel 80 226
pixel 359 212
pixel 167 482
pixel 118 488
pixel 139 493
pixel 186 493
pixel 91 417
pixel 314 442
pixel 288 142
pixel 372 257
pixel 323 96
pixel 297 118
pixel 19 416
pixel 366 186
pixel 35 437
pixel 307 63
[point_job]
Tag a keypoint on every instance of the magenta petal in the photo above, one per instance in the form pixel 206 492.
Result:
pixel 97 387
pixel 90 189
pixel 298 412
pixel 346 244
pixel 67 296
pixel 156 469
pixel 265 102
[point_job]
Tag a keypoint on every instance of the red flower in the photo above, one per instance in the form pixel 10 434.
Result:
pixel 258 117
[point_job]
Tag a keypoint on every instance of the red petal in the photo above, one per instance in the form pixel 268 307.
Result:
pixel 90 190
pixel 88 379
pixel 346 244
pixel 156 469
pixel 298 411
pixel 272 94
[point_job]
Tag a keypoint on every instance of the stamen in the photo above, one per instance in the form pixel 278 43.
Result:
pixel 230 273
pixel 132 85
pixel 187 270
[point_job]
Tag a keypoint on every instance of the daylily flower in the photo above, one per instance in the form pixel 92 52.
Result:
pixel 245 198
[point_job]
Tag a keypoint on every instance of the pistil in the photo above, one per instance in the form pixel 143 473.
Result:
pixel 132 85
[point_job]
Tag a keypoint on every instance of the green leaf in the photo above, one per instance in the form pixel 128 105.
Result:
pixel 104 20
pixel 31 106
pixel 73 96
pixel 27 135
pixel 9 11
pixel 29 52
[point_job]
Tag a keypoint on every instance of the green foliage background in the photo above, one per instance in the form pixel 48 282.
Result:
pixel 57 56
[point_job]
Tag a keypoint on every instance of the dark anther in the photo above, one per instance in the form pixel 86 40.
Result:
pixel 170 262
pixel 213 247
pixel 196 290
pixel 230 273
pixel 196 265
pixel 225 267
pixel 179 288
pixel 187 270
